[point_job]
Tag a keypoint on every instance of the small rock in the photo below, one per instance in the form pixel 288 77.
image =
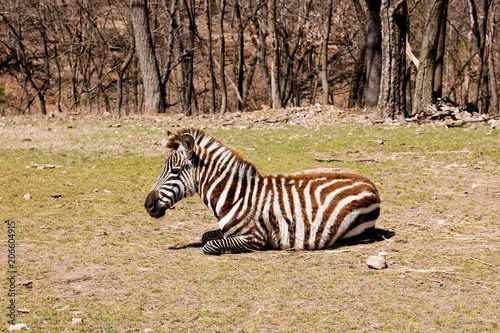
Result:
pixel 27 196
pixel 57 195
pixel 76 321
pixel 475 185
pixel 147 330
pixel 376 262
pixel 270 158
pixel 18 327
pixel 106 114
pixel 382 253
pixel 23 310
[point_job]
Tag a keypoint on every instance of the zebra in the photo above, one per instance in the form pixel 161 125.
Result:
pixel 306 210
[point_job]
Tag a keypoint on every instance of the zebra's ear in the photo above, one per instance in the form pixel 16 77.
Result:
pixel 188 144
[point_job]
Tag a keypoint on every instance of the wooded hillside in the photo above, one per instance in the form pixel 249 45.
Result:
pixel 215 56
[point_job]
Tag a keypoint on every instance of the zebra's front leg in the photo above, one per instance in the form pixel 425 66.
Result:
pixel 212 235
pixel 235 244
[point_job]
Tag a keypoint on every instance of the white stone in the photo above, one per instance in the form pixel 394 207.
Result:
pixel 18 327
pixel 376 262
pixel 75 321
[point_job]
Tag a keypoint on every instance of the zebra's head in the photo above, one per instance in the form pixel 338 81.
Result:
pixel 176 179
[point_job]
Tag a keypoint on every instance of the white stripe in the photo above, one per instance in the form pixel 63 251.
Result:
pixel 228 217
pixel 351 217
pixel 307 195
pixel 247 192
pixel 216 182
pixel 299 220
pixel 359 229
pixel 271 236
pixel 205 141
pixel 333 218
pixel 283 226
pixel 322 208
pixel 223 196
pixel 322 187
pixel 286 201
pixel 210 174
pixel 241 174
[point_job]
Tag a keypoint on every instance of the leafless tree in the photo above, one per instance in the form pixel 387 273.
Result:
pixel 391 104
pixel 153 90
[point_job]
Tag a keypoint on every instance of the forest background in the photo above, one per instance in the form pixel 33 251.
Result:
pixel 215 56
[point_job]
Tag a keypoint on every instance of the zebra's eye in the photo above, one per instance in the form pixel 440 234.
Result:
pixel 175 171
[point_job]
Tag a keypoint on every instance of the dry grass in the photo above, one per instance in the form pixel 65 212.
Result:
pixel 98 256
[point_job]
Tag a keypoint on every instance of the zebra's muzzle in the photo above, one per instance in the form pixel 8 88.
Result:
pixel 153 206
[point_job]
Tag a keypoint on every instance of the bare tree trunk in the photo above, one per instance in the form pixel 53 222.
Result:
pixel 135 84
pixel 189 61
pixel 391 104
pixel 424 83
pixel 355 93
pixel 480 33
pixel 324 58
pixel 468 69
pixel 494 107
pixel 240 55
pixel 153 91
pixel 223 104
pixel 249 76
pixel 275 68
pixel 209 58
pixel 373 53
pixel 121 71
pixel 438 73
pixel 259 42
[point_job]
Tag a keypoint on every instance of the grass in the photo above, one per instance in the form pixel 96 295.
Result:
pixel 95 254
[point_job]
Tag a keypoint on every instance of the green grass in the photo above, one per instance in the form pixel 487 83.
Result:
pixel 97 255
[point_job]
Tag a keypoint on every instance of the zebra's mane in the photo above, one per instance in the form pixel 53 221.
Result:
pixel 205 140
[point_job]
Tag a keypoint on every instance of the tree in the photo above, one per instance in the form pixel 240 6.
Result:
pixel 374 51
pixel 210 62
pixel 121 70
pixel 223 104
pixel 391 104
pixel 357 81
pixel 275 57
pixel 153 91
pixel 480 34
pixel 426 73
pixel 494 107
pixel 324 52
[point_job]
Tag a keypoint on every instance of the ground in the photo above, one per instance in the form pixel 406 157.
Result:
pixel 94 253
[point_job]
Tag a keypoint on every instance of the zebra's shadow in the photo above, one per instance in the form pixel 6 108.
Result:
pixel 370 236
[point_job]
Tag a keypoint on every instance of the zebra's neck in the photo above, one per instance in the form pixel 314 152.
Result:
pixel 223 176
